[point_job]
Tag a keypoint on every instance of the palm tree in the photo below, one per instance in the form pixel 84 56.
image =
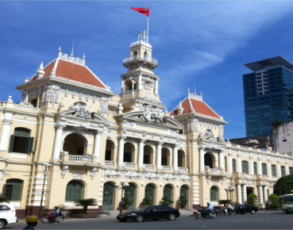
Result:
pixel 85 203
pixel 3 199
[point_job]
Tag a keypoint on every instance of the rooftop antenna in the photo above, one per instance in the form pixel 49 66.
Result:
pixel 194 89
pixel 72 49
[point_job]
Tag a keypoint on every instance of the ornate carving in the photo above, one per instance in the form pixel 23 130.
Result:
pixel 131 175
pixel 169 177
pixel 111 174
pixel 152 114
pixel 185 178
pixel 81 109
pixel 174 132
pixel 93 173
pixel 7 122
pixel 192 125
pixel 149 97
pixel 54 94
pixel 208 179
pixel 151 176
pixel 77 176
pixel 209 136
pixel 128 124
pixel 104 105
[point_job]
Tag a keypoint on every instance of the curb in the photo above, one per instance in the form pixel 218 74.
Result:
pixel 77 219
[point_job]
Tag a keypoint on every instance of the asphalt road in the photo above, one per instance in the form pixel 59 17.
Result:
pixel 262 220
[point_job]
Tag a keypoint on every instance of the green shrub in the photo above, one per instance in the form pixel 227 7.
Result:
pixel 274 201
pixel 182 201
pixel 167 200
pixel 125 202
pixel 3 199
pixel 85 203
pixel 252 199
pixel 224 202
pixel 146 201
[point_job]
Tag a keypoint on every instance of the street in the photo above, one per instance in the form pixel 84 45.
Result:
pixel 261 220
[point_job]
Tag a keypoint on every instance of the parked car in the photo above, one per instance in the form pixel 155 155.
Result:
pixel 7 215
pixel 154 212
pixel 245 208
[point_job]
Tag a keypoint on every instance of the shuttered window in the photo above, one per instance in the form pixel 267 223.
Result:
pixel 13 189
pixel 264 169
pixel 274 170
pixel 234 165
pixel 74 191
pixel 226 168
pixel 291 171
pixel 21 142
pixel 245 167
pixel 214 193
pixel 255 168
pixel 283 171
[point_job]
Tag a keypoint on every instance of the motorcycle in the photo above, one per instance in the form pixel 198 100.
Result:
pixel 51 219
pixel 203 214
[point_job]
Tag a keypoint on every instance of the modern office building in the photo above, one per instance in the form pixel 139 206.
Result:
pixel 267 94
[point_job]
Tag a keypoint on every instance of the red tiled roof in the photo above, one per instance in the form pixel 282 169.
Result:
pixel 198 106
pixel 72 71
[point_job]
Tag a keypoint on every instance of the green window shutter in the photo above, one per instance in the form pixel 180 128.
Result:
pixel 234 165
pixel 214 194
pixel 274 170
pixel 4 190
pixel 255 168
pixel 29 145
pixel 11 143
pixel 283 171
pixel 264 169
pixel 291 171
pixel 16 192
pixel 74 191
pixel 244 166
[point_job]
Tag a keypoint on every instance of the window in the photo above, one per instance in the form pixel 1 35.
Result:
pixel 4 207
pixel 108 155
pixel 21 142
pixel 291 171
pixel 274 170
pixel 264 169
pixel 283 171
pixel 135 54
pixel 74 191
pixel 255 168
pixel 145 54
pixel 35 102
pixel 13 189
pixel 226 164
pixel 214 193
pixel 245 167
pixel 234 165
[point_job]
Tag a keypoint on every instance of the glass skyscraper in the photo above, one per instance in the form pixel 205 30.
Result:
pixel 268 94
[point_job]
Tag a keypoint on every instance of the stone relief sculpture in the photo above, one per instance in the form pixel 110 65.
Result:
pixel 192 125
pixel 81 109
pixel 152 114
pixel 111 174
pixel 104 105
pixel 209 136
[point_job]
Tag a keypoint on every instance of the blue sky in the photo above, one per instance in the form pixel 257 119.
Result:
pixel 196 42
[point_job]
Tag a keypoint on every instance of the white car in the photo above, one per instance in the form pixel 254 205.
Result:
pixel 7 214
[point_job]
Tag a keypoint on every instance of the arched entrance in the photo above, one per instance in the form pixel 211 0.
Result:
pixel 184 192
pixel 108 195
pixel 214 193
pixel 150 192
pixel 130 193
pixel 75 144
pixel 168 192
pixel 147 154
pixel 109 154
pixel 209 160
pixel 128 152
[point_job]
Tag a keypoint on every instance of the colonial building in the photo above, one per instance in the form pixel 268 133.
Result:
pixel 94 141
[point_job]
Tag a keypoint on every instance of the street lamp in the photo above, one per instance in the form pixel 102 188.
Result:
pixel 121 186
pixel 45 176
pixel 229 190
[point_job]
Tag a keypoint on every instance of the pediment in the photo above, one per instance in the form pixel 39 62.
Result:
pixel 72 113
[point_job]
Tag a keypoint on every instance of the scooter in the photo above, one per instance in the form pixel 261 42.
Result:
pixel 51 219
pixel 203 214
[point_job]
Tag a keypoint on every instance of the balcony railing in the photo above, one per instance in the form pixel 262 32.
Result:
pixel 215 170
pixel 129 165
pixel 109 163
pixel 80 158
pixel 147 166
pixel 147 59
pixel 167 168
pixel 182 169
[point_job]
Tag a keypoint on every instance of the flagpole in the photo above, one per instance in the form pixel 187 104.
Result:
pixel 148 23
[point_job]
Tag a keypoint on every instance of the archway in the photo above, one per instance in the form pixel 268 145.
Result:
pixel 130 85
pixel 75 144
pixel 209 160
pixel 166 157
pixel 74 190
pixel 184 192
pixel 150 192
pixel 214 192
pixel 109 154
pixel 181 158
pixel 130 193
pixel 168 191
pixel 13 189
pixel 128 152
pixel 108 195
pixel 147 154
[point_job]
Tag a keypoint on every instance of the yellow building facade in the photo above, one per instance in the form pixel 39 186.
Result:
pixel 94 141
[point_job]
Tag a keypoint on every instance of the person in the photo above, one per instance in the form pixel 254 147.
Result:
pixel 209 208
pixel 32 221
pixel 196 210
pixel 56 212
pixel 229 208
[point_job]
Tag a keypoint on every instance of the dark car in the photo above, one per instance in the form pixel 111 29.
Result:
pixel 245 208
pixel 154 212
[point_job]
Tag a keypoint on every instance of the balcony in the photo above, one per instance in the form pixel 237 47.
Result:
pixel 65 157
pixel 110 163
pixel 129 165
pixel 166 168
pixel 148 166
pixel 215 171
pixel 152 61
pixel 182 169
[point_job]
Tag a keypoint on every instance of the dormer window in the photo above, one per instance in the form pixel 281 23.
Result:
pixel 145 55
pixel 135 54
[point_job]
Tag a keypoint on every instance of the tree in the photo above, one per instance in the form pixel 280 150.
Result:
pixel 125 202
pixel 167 200
pixel 85 203
pixel 274 201
pixel 224 202
pixel 284 185
pixel 276 123
pixel 3 199
pixel 182 201
pixel 252 199
pixel 146 201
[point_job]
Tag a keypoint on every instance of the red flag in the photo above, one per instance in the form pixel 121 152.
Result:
pixel 145 11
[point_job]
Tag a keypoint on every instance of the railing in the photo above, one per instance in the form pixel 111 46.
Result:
pixel 215 170
pixel 127 93
pixel 80 158
pixel 182 169
pixel 147 166
pixel 151 60
pixel 109 163
pixel 129 165
pixel 166 168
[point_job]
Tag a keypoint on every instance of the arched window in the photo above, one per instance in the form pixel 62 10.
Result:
pixel 291 171
pixel 234 165
pixel 214 193
pixel 75 144
pixel 264 169
pixel 20 141
pixel 255 168
pixel 13 189
pixel 274 170
pixel 109 153
pixel 283 171
pixel 74 191
pixel 208 160
pixel 245 167
pixel 135 55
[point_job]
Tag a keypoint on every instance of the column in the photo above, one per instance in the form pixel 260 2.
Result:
pixel 5 134
pixel 239 162
pixel 239 193
pixel 121 150
pixel 230 163
pixel 279 168
pixel 122 85
pixel 259 165
pixel 139 81
pixel 260 194
pixel 140 153
pixel 251 164
pixel 159 155
pixel 97 145
pixel 266 194
pixel 175 160
pixel 244 193
pixel 57 144
pixel 201 149
pixel 222 165
pixel 157 86
pixel 269 168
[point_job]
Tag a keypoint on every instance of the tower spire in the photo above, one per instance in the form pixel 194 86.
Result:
pixel 194 89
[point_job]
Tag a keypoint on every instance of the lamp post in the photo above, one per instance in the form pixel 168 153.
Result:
pixel 45 175
pixel 121 186
pixel 229 190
